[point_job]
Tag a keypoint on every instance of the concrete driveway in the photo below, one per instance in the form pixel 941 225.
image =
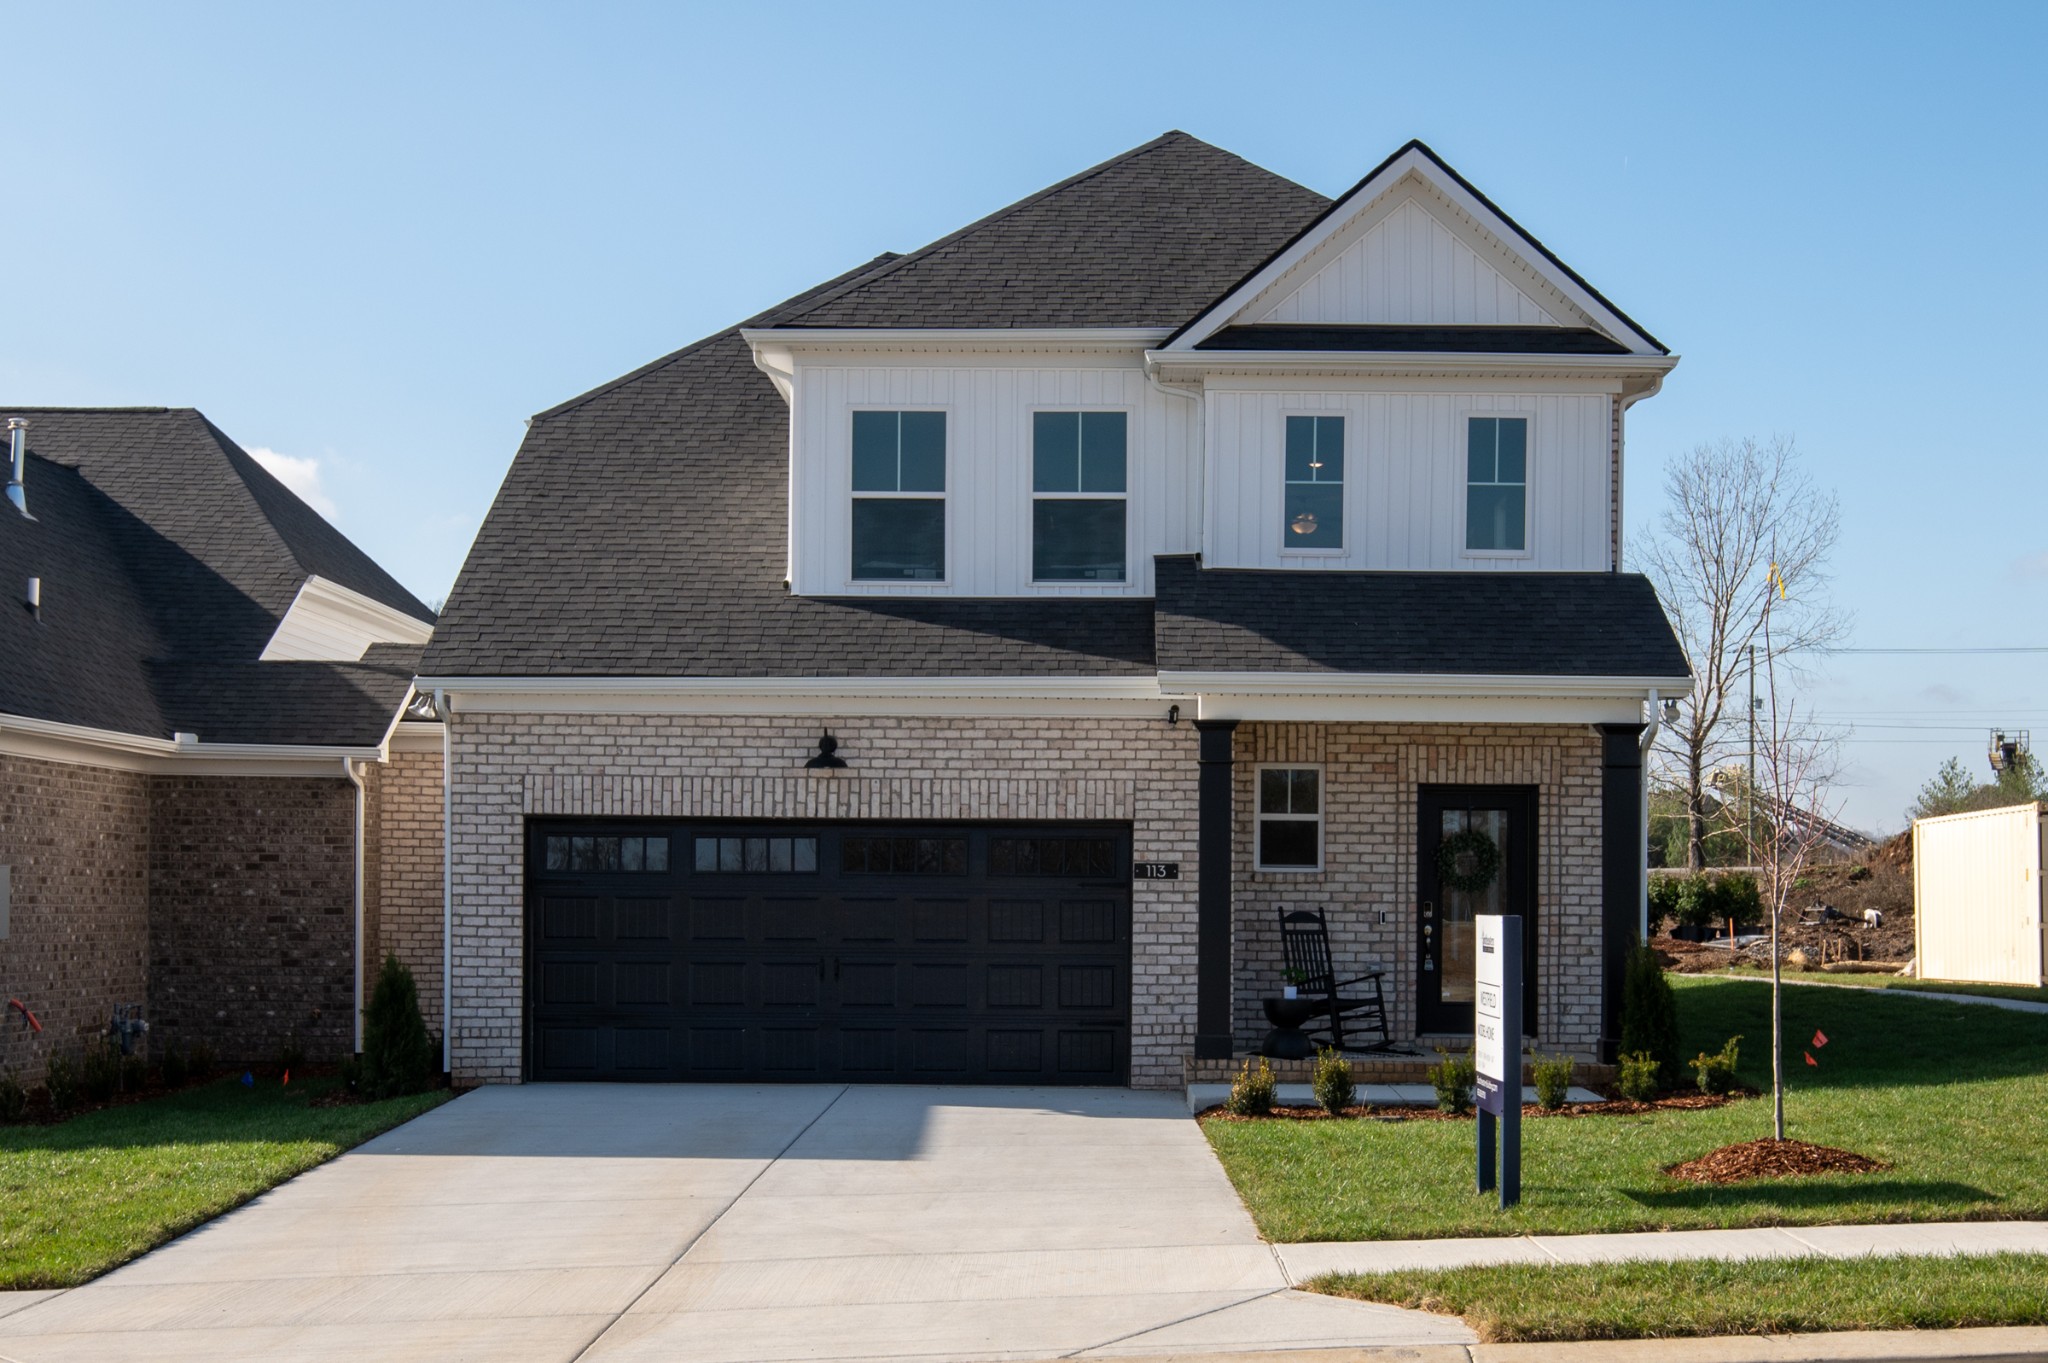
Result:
pixel 614 1223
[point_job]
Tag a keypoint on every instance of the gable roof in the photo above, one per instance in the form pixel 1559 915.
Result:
pixel 1144 239
pixel 166 553
pixel 1415 156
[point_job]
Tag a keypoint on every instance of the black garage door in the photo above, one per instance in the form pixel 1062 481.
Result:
pixel 921 953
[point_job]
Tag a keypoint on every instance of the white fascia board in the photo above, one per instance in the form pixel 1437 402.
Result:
pixel 81 745
pixel 1411 162
pixel 1464 710
pixel 1648 368
pixel 415 736
pixel 322 606
pixel 1429 684
pixel 807 696
pixel 951 338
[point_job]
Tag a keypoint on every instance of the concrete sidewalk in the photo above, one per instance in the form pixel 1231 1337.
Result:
pixel 1305 1261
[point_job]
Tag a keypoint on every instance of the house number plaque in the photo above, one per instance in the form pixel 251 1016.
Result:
pixel 1155 870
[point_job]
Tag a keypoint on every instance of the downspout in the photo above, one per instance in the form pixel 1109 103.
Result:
pixel 447 887
pixel 1649 737
pixel 355 778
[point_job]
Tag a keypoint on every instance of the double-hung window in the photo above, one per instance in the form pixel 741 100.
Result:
pixel 1314 510
pixel 1497 484
pixel 899 496
pixel 1290 819
pixel 1077 496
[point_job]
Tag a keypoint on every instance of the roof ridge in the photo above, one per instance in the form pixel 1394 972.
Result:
pixel 6 410
pixel 693 347
pixel 989 220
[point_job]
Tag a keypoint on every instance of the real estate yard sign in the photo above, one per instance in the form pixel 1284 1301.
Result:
pixel 1497 1049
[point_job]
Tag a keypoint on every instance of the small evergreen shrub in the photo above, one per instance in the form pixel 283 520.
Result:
pixel 60 1078
pixel 398 1055
pixel 1664 899
pixel 1553 1080
pixel 13 1098
pixel 200 1061
pixel 1637 1079
pixel 100 1075
pixel 1251 1093
pixel 173 1069
pixel 1717 1072
pixel 1452 1078
pixel 1333 1086
pixel 1649 1012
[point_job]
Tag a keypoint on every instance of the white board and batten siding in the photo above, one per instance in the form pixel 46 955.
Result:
pixel 1404 479
pixel 1977 900
pixel 988 408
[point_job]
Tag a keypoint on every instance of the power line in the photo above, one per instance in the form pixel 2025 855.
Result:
pixel 2026 648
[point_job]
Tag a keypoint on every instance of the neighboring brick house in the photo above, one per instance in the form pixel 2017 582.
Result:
pixel 1170 546
pixel 201 684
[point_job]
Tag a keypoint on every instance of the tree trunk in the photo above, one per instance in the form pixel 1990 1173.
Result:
pixel 1695 813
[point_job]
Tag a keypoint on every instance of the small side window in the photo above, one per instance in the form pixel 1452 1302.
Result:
pixel 1497 484
pixel 1290 819
pixel 1315 483
pixel 899 496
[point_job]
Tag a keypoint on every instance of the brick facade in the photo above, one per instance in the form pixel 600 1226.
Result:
pixel 1137 770
pixel 403 874
pixel 77 840
pixel 252 914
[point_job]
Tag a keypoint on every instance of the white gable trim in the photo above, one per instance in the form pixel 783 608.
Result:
pixel 329 623
pixel 1413 161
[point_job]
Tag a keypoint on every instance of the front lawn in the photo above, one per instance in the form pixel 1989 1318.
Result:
pixel 2023 993
pixel 1759 1296
pixel 1954 1097
pixel 81 1197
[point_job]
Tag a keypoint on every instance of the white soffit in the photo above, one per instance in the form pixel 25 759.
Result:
pixel 330 623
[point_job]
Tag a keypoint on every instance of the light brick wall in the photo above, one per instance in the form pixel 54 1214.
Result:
pixel 1371 776
pixel 1140 771
pixel 404 878
pixel 1136 771
pixel 77 839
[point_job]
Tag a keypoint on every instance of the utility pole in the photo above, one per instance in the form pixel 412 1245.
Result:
pixel 1749 793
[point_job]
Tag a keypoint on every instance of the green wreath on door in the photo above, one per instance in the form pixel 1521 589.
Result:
pixel 1467 861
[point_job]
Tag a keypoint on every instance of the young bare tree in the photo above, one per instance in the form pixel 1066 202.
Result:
pixel 1797 763
pixel 1735 509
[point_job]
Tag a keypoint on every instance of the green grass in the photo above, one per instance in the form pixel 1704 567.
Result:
pixel 2023 993
pixel 81 1197
pixel 1531 1302
pixel 1954 1097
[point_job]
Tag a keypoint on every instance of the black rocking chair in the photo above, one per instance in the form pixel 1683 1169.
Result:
pixel 1305 941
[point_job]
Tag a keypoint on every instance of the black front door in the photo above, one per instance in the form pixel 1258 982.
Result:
pixel 1504 816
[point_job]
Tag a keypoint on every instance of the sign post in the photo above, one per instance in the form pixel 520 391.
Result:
pixel 1497 1050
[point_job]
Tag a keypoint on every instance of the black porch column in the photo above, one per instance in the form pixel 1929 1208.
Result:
pixel 1212 893
pixel 1621 867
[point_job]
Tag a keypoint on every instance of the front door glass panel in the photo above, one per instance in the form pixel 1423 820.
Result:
pixel 1445 937
pixel 1460 907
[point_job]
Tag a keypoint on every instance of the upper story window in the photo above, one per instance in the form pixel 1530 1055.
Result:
pixel 1314 509
pixel 1290 819
pixel 1497 485
pixel 1077 496
pixel 899 496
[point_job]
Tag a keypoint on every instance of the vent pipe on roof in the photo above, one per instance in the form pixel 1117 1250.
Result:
pixel 17 453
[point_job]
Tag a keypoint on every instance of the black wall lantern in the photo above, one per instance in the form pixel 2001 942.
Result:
pixel 826 758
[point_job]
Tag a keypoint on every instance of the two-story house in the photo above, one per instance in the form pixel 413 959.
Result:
pixel 813 693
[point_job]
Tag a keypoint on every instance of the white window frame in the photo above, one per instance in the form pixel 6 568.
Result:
pixel 1343 546
pixel 1260 817
pixel 1528 420
pixel 869 584
pixel 1032 495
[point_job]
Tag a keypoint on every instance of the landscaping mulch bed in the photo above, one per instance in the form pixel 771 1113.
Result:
pixel 1613 1107
pixel 1771 1158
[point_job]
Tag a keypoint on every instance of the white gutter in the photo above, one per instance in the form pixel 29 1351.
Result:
pixel 1024 688
pixel 1649 736
pixel 1414 361
pixel 355 777
pixel 141 745
pixel 1411 684
pixel 1201 441
pixel 1007 338
pixel 447 886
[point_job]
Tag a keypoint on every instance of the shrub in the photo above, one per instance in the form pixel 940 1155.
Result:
pixel 398 1055
pixel 352 1073
pixel 172 1068
pixel 200 1061
pixel 1717 1072
pixel 1334 1089
pixel 1251 1093
pixel 1452 1078
pixel 13 1098
pixel 134 1073
pixel 61 1079
pixel 1637 1080
pixel 1649 1012
pixel 100 1075
pixel 1553 1080
pixel 1664 899
pixel 1741 900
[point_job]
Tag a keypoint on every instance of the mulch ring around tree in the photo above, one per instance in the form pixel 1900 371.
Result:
pixel 1616 1107
pixel 1770 1158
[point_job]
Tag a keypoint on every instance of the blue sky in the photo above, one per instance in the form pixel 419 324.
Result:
pixel 373 239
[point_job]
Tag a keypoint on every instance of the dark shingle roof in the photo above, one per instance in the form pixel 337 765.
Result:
pixel 1144 239
pixel 165 550
pixel 1460 623
pixel 1446 340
